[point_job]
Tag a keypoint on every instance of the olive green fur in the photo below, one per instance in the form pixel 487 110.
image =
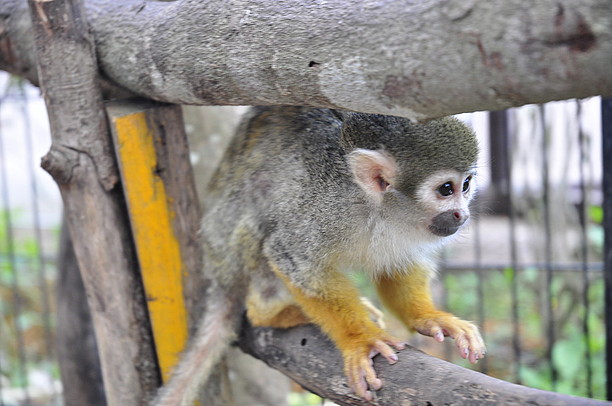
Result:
pixel 420 149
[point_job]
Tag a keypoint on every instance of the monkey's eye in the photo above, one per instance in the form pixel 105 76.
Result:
pixel 466 184
pixel 446 189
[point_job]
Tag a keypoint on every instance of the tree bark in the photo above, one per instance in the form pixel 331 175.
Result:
pixel 81 162
pixel 76 342
pixel 307 356
pixel 418 60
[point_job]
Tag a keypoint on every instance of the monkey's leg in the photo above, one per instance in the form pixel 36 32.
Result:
pixel 338 310
pixel 269 304
pixel 279 315
pixel 408 296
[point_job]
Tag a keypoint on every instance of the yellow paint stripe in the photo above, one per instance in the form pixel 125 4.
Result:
pixel 157 247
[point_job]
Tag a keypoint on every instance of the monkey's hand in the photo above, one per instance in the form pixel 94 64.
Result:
pixel 340 313
pixel 358 365
pixel 467 337
pixel 407 295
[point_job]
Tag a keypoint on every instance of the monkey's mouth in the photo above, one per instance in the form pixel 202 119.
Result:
pixel 447 223
pixel 443 231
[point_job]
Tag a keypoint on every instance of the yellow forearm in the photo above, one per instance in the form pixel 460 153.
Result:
pixel 407 295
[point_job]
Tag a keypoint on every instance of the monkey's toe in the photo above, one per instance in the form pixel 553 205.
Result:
pixel 358 365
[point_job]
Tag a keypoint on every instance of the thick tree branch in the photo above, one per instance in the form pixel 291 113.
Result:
pixel 419 60
pixel 308 357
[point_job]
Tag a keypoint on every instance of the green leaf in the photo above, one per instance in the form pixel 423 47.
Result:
pixel 596 214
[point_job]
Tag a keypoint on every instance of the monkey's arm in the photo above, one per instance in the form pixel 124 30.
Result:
pixel 407 295
pixel 338 310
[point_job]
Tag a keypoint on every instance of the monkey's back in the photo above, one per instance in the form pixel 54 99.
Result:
pixel 283 165
pixel 284 186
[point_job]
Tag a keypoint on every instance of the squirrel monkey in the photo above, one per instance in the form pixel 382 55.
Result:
pixel 303 194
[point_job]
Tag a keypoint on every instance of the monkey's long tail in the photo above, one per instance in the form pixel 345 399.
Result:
pixel 216 331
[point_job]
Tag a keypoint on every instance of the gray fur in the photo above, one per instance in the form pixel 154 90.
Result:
pixel 285 179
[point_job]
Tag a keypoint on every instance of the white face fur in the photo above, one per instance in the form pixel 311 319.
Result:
pixel 408 238
pixel 447 190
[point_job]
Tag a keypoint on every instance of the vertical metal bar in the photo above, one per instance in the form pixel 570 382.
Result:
pixel 507 169
pixel 499 158
pixel 550 323
pixel 483 364
pixel 516 337
pixel 606 132
pixel 40 265
pixel 444 274
pixel 16 296
pixel 582 207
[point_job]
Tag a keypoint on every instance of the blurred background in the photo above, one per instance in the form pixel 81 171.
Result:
pixel 528 269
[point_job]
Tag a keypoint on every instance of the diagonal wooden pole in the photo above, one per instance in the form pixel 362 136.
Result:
pixel 153 155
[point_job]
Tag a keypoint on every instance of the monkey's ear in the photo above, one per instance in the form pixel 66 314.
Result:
pixel 373 171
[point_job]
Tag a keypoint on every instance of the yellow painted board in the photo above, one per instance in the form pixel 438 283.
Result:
pixel 157 247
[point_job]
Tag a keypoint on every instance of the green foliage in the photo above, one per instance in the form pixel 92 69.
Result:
pixel 304 399
pixel 570 344
pixel 596 214
pixel 595 230
pixel 20 289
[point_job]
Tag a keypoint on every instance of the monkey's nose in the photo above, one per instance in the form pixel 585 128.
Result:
pixel 460 217
pixel 448 222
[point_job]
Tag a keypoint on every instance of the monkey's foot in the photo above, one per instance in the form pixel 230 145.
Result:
pixel 466 335
pixel 358 365
pixel 377 316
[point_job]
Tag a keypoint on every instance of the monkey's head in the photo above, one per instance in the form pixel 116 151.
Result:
pixel 420 174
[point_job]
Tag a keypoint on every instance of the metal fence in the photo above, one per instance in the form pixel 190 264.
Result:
pixel 28 242
pixel 545 203
pixel 529 270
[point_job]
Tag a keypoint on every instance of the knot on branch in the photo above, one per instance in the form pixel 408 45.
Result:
pixel 60 162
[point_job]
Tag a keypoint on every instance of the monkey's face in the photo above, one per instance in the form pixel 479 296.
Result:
pixel 440 204
pixel 445 197
pixel 409 219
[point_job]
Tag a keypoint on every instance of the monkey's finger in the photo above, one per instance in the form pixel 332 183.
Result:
pixel 437 333
pixel 475 354
pixel 356 378
pixel 470 344
pixel 381 347
pixel 437 328
pixel 370 376
pixel 477 346
pixel 462 344
pixel 395 342
pixel 474 357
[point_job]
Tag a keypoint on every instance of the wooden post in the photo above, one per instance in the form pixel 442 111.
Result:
pixel 82 163
pixel 153 155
